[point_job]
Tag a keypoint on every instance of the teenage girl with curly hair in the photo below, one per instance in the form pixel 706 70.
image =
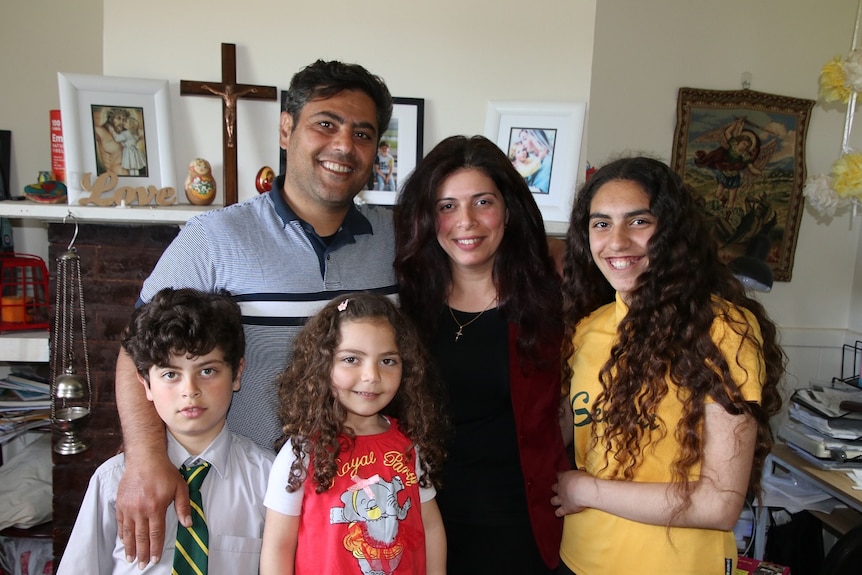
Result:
pixel 352 489
pixel 672 383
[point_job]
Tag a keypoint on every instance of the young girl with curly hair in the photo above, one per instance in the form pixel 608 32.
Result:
pixel 672 383
pixel 352 489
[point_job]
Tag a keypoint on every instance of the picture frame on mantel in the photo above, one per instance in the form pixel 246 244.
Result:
pixel 742 154
pixel 543 141
pixel 116 125
pixel 404 136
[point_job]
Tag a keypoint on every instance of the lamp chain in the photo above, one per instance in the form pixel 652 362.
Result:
pixel 68 282
pixel 80 287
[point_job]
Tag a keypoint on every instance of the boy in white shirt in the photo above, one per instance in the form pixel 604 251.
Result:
pixel 188 349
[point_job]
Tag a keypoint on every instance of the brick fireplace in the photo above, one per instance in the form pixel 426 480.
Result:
pixel 115 260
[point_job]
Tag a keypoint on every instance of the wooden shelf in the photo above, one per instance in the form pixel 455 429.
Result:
pixel 24 346
pixel 176 214
pixel 841 520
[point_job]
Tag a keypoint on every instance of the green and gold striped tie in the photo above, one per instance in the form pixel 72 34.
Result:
pixel 192 551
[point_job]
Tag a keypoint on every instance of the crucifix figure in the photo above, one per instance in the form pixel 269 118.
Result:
pixel 229 92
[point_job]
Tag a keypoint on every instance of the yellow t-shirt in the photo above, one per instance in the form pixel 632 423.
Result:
pixel 598 543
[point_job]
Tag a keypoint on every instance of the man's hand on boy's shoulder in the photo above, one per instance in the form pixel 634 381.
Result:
pixel 144 494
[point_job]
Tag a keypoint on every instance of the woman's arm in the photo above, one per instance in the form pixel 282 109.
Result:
pixel 278 553
pixel 718 496
pixel 435 539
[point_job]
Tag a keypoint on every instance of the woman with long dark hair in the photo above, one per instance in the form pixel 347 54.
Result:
pixel 475 275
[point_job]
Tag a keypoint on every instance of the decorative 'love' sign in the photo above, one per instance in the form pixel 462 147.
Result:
pixel 102 193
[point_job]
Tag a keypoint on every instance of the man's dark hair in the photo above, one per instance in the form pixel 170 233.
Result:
pixel 326 79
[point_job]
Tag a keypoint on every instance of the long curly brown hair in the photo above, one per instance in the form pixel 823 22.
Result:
pixel 528 287
pixel 666 333
pixel 314 420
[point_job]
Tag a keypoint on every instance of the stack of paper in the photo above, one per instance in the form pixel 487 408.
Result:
pixel 856 477
pixel 25 404
pixel 822 429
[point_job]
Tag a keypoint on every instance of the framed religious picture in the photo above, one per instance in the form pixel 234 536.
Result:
pixel 742 154
pixel 117 128
pixel 543 141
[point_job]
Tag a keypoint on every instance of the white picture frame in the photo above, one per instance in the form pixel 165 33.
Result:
pixel 560 126
pixel 84 98
pixel 405 135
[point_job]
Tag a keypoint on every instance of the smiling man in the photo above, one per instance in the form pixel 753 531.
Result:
pixel 282 255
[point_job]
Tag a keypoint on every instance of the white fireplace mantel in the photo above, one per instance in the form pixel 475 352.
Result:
pixel 176 214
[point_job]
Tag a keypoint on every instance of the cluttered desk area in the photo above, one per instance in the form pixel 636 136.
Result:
pixel 812 483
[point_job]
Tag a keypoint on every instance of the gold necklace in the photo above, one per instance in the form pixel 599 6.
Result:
pixel 461 326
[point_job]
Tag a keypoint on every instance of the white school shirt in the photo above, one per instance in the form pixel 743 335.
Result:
pixel 232 496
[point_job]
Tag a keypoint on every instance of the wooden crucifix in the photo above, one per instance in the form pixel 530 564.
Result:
pixel 229 92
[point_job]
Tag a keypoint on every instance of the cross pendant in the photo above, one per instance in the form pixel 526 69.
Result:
pixel 458 335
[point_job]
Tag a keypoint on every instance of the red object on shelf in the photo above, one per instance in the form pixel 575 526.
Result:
pixel 24 302
pixel 58 156
pixel 756 567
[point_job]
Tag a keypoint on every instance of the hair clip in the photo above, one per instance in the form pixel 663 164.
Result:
pixel 343 305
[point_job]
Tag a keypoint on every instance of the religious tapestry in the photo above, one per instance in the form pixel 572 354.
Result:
pixel 742 153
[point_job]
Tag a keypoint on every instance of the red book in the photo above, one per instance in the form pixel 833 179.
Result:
pixel 58 159
pixel 749 566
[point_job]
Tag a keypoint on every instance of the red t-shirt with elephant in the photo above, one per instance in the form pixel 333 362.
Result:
pixel 370 520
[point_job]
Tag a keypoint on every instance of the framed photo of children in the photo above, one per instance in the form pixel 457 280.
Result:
pixel 120 126
pixel 543 141
pixel 398 152
pixel 742 153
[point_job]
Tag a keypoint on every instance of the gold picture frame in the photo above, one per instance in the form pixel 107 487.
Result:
pixel 742 153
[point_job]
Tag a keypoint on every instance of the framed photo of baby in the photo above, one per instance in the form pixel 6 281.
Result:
pixel 543 141
pixel 531 151
pixel 742 154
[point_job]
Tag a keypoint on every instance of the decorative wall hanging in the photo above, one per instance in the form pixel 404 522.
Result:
pixel 543 140
pixel 742 153
pixel 117 139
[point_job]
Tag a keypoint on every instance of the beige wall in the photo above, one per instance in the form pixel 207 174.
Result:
pixel 456 55
pixel 783 44
pixel 626 58
pixel 645 51
pixel 38 38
